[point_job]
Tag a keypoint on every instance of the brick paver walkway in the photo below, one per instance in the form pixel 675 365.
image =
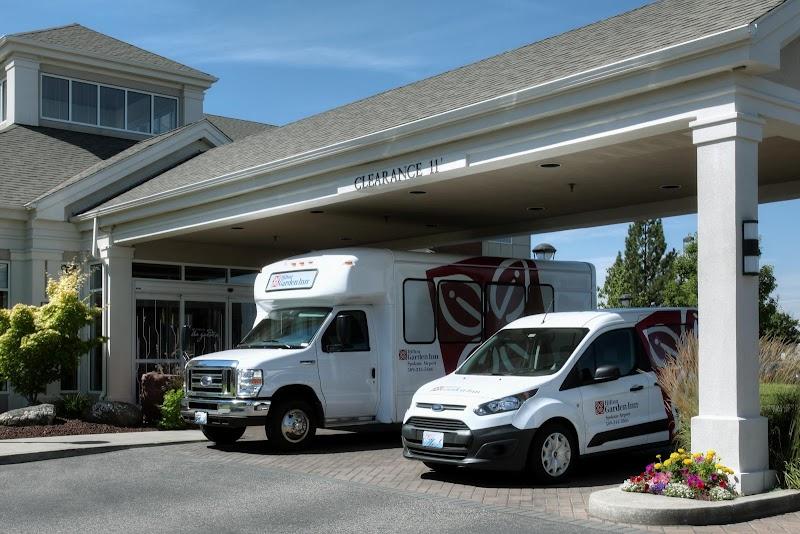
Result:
pixel 376 459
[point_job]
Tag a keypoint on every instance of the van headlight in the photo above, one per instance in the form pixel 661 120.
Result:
pixel 249 382
pixel 506 404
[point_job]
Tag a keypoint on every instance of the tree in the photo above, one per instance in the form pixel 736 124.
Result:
pixel 38 344
pixel 645 268
pixel 681 289
pixel 772 321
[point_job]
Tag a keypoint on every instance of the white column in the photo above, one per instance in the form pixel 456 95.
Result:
pixel 118 322
pixel 729 419
pixel 22 84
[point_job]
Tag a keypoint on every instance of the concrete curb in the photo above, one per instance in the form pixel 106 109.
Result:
pixel 646 509
pixel 68 453
pixel 22 450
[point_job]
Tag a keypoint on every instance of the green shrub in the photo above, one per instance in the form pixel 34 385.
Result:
pixel 171 411
pixel 73 405
pixel 38 344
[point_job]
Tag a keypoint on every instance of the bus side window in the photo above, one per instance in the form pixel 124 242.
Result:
pixel 419 325
pixel 504 303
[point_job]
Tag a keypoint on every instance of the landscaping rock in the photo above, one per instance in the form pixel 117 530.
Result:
pixel 115 413
pixel 154 385
pixel 41 414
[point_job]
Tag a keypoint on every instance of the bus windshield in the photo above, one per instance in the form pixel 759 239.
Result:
pixel 524 352
pixel 289 328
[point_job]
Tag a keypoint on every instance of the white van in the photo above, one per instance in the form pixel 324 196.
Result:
pixel 548 388
pixel 345 337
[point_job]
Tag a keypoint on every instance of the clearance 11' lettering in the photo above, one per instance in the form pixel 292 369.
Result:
pixel 397 174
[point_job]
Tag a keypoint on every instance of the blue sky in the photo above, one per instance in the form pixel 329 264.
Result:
pixel 279 61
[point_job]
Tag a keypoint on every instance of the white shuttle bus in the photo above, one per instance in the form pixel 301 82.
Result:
pixel 345 337
pixel 548 388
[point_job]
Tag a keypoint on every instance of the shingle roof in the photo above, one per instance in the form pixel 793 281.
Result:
pixel 82 39
pixel 646 29
pixel 238 128
pixel 36 159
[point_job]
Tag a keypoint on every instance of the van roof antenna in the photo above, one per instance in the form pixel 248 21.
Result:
pixel 549 307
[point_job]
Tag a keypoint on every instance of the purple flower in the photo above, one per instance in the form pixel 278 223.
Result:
pixel 649 469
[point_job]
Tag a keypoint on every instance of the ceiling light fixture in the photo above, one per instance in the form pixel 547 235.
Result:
pixel 549 165
pixel 535 208
pixel 345 239
pixel 667 187
pixel 237 227
pixel 417 192
pixel 316 211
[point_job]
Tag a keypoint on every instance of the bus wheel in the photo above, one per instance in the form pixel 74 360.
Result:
pixel 553 454
pixel 291 425
pixel 222 436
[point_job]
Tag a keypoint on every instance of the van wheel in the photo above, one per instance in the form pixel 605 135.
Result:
pixel 291 425
pixel 553 453
pixel 222 436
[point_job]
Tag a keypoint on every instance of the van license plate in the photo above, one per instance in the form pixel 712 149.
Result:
pixel 200 418
pixel 434 440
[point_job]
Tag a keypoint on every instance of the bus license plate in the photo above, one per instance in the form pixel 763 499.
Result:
pixel 434 440
pixel 200 418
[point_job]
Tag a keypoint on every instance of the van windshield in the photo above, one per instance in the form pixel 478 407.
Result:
pixel 289 328
pixel 524 352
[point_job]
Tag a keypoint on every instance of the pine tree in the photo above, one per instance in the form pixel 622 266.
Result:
pixel 645 268
pixel 681 289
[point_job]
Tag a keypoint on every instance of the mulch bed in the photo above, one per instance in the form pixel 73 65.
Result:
pixel 65 427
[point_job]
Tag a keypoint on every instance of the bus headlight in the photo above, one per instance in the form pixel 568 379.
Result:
pixel 249 382
pixel 506 404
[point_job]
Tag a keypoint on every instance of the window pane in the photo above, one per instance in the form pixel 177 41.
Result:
pixel 243 317
pixel 112 107
pixel 243 276
pixel 84 102
pixel 165 114
pixel 459 312
pixel 156 271
pixel 3 276
pixel 3 299
pixel 204 328
pixel 157 329
pixel 418 321
pixel 138 112
pixel 615 348
pixel 95 276
pixel 347 333
pixel 55 98
pixel 204 274
pixel 540 299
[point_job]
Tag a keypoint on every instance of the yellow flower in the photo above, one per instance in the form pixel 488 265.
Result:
pixel 681 451
pixel 720 467
pixel 674 455
pixel 698 455
pixel 667 462
pixel 657 466
pixel 658 456
pixel 710 453
pixel 687 461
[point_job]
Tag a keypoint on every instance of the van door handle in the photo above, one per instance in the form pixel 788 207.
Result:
pixel 637 388
pixel 373 372
pixel 307 362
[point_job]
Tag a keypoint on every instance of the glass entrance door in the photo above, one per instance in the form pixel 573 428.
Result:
pixel 157 343
pixel 203 328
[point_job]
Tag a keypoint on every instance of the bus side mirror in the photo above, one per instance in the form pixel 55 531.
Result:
pixel 606 373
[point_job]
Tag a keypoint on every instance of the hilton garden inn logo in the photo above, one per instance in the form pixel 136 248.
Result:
pixel 603 407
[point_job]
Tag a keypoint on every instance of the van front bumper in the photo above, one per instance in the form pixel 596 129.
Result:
pixel 227 412
pixel 502 448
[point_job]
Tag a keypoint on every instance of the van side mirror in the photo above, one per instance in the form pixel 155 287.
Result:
pixel 606 373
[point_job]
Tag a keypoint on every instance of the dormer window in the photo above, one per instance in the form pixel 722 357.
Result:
pixel 65 99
